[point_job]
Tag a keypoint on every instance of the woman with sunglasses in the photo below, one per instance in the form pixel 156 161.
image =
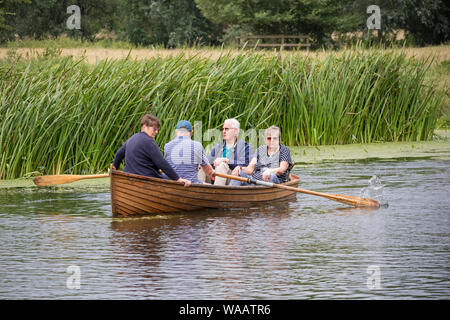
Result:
pixel 270 162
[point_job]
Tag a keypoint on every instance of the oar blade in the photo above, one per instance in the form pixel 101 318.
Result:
pixel 50 180
pixel 355 201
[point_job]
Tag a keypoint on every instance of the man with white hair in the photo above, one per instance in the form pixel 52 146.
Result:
pixel 230 153
pixel 186 155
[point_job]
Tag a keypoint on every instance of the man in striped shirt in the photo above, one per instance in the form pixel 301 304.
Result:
pixel 271 162
pixel 185 155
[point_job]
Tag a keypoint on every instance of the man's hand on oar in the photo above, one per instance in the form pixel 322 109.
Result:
pixel 353 201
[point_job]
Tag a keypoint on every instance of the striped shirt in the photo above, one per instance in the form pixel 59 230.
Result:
pixel 184 155
pixel 264 161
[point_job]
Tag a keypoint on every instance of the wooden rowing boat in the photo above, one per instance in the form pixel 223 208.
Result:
pixel 133 194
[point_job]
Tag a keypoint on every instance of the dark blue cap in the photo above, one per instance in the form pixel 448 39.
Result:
pixel 184 124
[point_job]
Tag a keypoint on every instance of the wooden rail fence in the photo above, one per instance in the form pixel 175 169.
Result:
pixel 274 41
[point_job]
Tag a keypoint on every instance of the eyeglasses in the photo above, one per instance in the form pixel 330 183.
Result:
pixel 272 138
pixel 226 129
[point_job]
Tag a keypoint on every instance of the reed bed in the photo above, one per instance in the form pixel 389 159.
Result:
pixel 60 115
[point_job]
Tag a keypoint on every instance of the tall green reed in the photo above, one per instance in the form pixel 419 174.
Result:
pixel 58 115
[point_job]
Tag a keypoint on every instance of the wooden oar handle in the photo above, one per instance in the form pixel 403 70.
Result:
pixel 248 180
pixel 230 177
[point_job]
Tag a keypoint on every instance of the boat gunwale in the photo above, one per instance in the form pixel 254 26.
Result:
pixel 199 185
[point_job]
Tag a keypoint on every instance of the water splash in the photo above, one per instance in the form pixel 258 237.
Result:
pixel 375 190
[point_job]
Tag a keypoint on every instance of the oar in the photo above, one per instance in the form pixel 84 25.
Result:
pixel 353 201
pixel 51 180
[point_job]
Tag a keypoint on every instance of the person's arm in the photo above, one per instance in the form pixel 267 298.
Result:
pixel 285 162
pixel 208 169
pixel 248 169
pixel 203 160
pixel 155 154
pixel 120 155
pixel 162 164
pixel 284 165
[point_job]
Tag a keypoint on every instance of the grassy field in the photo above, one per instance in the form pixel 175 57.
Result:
pixel 94 53
pixel 67 110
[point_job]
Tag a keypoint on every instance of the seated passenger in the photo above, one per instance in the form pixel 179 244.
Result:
pixel 270 162
pixel 142 155
pixel 230 153
pixel 186 155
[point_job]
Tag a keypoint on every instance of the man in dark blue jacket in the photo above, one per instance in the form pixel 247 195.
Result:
pixel 142 154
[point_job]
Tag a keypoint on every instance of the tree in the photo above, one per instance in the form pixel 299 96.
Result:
pixel 5 11
pixel 316 18
pixel 42 18
pixel 425 20
pixel 167 22
pixel 96 16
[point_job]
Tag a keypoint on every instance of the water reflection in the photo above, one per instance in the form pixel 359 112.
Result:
pixel 353 210
pixel 212 248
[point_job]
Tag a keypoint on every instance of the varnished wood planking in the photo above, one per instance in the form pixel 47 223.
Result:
pixel 135 195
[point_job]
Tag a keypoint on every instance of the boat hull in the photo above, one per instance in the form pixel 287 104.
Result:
pixel 133 194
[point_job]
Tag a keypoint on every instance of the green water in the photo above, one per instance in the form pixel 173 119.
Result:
pixel 311 248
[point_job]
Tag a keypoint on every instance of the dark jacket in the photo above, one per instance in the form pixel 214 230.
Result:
pixel 142 156
pixel 240 154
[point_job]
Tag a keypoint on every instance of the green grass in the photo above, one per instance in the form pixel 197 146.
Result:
pixel 441 73
pixel 58 115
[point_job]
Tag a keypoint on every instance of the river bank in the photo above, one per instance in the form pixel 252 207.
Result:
pixel 439 148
